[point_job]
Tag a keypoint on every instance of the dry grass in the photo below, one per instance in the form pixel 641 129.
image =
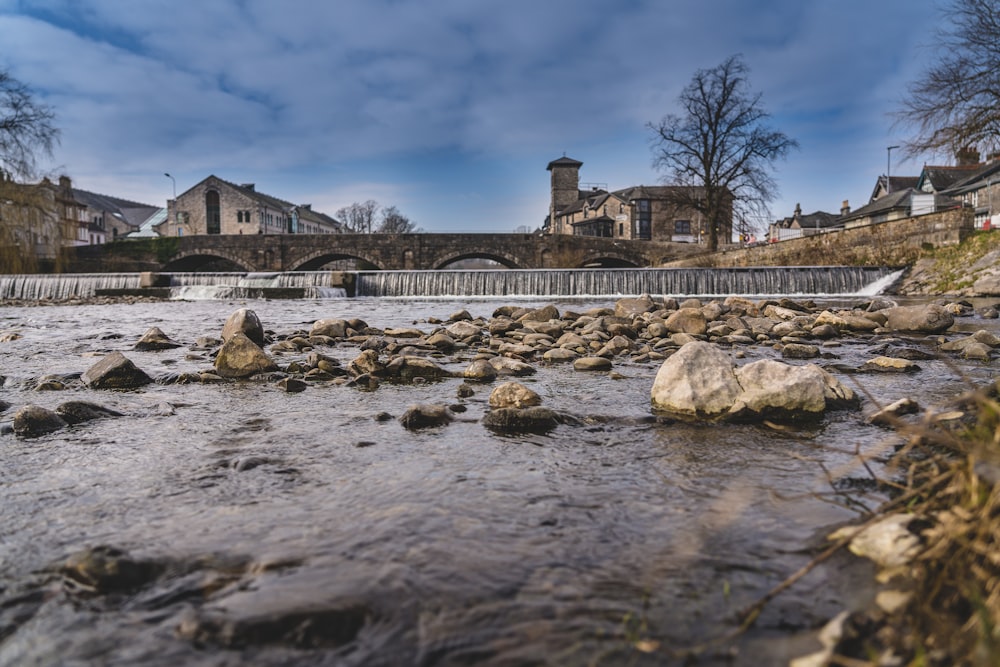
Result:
pixel 949 477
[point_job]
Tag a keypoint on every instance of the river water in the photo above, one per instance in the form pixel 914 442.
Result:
pixel 304 529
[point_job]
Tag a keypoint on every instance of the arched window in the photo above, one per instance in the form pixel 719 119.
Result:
pixel 213 213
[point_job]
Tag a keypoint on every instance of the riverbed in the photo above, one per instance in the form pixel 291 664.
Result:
pixel 313 528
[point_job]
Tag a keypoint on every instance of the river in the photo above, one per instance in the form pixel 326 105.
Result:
pixel 308 528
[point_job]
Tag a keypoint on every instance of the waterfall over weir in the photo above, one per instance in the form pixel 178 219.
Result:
pixel 757 281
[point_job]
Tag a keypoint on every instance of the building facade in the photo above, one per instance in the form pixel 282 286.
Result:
pixel 216 206
pixel 642 212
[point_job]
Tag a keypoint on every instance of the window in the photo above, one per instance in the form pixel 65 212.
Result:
pixel 644 220
pixel 621 229
pixel 682 227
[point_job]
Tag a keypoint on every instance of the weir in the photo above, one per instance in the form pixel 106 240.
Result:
pixel 761 281
pixel 755 281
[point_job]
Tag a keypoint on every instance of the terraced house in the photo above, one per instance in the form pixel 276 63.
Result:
pixel 641 212
pixel 216 206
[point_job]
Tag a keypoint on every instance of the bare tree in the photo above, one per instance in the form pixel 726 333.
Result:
pixel 359 218
pixel 721 148
pixel 394 222
pixel 956 103
pixel 26 128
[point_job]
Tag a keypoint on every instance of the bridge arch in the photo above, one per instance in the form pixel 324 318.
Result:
pixel 197 261
pixel 501 258
pixel 610 261
pixel 313 261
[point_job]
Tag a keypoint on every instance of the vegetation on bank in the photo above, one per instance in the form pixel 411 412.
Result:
pixel 955 269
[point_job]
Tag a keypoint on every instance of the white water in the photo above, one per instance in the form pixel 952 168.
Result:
pixel 758 281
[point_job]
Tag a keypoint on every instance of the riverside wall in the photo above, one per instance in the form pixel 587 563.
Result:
pixel 894 243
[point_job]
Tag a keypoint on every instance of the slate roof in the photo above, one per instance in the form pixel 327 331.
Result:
pixel 943 178
pixel 818 219
pixel 133 213
pixel 896 183
pixel 564 162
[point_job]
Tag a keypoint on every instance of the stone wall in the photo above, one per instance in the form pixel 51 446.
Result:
pixel 894 243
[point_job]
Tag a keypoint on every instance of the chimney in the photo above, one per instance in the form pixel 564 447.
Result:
pixel 845 208
pixel 967 157
pixel 65 183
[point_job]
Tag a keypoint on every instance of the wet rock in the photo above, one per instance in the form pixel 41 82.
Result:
pixel 697 381
pixel 246 322
pixel 592 364
pixel 480 370
pixel 931 318
pixel 773 390
pixel 559 355
pixel 534 419
pixel 465 391
pixel 890 414
pixel 292 385
pixel 701 382
pixel 890 365
pixel 106 569
pixel 50 383
pixel 155 339
pixel 268 617
pixel 464 329
pixel 688 321
pixel 404 332
pixel 631 307
pixel 33 420
pixel 460 316
pixel 441 341
pixel 366 363
pixel 424 416
pixel 331 328
pixel 76 412
pixel 543 314
pixel 115 371
pixel 240 357
pixel 799 351
pixel 513 395
pixel 515 367
pixel 408 368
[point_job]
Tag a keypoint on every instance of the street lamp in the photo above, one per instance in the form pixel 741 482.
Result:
pixel 174 181
pixel 888 166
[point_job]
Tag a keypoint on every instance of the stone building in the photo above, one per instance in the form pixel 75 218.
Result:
pixel 110 217
pixel 36 220
pixel 215 206
pixel 643 212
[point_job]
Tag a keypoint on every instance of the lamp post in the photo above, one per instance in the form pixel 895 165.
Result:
pixel 888 167
pixel 174 181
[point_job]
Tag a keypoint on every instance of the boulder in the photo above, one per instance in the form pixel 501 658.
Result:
pixel 480 370
pixel 890 365
pixel 559 355
pixel 75 412
pixel 931 318
pixel 592 364
pixel 33 420
pixel 115 371
pixel 330 327
pixel 630 307
pixel 424 416
pixel 700 381
pixel 366 363
pixel 463 329
pixel 155 339
pixel 240 357
pixel 687 320
pixel 799 351
pixel 508 366
pixel 106 569
pixel 697 381
pixel 407 368
pixel 292 385
pixel 246 322
pixel 513 395
pixel 774 390
pixel 521 420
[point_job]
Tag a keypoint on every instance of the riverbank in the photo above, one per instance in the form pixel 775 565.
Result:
pixel 969 269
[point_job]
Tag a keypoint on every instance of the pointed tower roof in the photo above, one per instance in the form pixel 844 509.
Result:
pixel 564 162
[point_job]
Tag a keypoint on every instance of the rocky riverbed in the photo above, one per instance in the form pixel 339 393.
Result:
pixel 257 417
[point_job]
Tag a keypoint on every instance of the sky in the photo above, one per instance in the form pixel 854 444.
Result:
pixel 451 109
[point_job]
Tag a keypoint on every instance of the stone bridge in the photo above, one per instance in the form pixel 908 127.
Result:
pixel 308 252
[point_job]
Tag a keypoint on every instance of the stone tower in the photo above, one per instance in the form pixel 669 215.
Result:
pixel 565 188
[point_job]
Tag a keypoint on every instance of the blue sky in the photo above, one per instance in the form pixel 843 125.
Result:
pixel 451 109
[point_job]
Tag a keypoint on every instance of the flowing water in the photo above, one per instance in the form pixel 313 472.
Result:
pixel 305 529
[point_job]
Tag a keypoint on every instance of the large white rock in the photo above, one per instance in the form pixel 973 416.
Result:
pixel 700 381
pixel 696 381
